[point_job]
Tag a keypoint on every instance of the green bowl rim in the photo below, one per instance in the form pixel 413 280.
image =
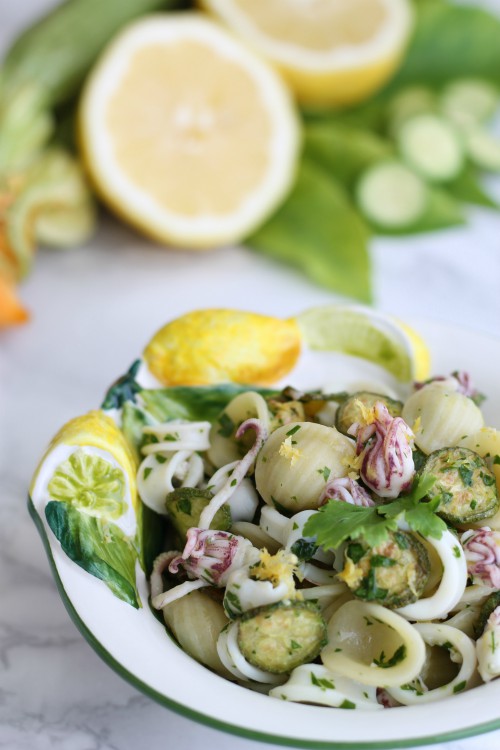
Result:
pixel 221 725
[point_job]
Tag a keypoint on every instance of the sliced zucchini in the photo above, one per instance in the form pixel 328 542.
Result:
pixel 351 410
pixel 483 149
pixel 464 483
pixel 185 506
pixel 469 101
pixel 392 196
pixel 487 608
pixel 411 101
pixel 394 574
pixel 432 146
pixel 281 636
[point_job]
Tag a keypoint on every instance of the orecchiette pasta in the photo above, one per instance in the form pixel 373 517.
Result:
pixel 296 462
pixel 440 417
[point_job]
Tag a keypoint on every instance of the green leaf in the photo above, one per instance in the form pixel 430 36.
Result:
pixel 197 403
pixel 337 521
pixel 124 389
pixel 467 188
pixel 344 151
pixel 99 547
pixel 451 41
pixel 318 230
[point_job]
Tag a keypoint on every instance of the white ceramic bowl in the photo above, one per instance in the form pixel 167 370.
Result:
pixel 135 644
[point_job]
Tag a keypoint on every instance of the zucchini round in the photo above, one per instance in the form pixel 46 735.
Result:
pixel 351 410
pixel 464 483
pixel 487 608
pixel 394 573
pixel 281 636
pixel 185 506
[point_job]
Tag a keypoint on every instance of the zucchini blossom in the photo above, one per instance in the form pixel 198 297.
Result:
pixel 385 445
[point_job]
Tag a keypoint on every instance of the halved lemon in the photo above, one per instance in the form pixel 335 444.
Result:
pixel 186 133
pixel 218 346
pixel 369 334
pixel 332 52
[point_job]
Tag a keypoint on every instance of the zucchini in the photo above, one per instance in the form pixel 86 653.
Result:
pixel 281 636
pixel 57 52
pixel 410 101
pixel 465 486
pixel 483 149
pixel 392 196
pixel 432 147
pixel 185 506
pixel 469 101
pixel 46 67
pixel 394 574
pixel 487 608
pixel 350 410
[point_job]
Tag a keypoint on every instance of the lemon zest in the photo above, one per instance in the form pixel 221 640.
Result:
pixel 417 425
pixel 278 568
pixel 287 450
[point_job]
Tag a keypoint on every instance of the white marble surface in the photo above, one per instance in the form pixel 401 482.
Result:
pixel 93 309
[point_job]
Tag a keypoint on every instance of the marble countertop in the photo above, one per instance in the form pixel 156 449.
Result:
pixel 93 309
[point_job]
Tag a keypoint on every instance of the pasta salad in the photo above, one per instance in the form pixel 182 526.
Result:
pixel 336 549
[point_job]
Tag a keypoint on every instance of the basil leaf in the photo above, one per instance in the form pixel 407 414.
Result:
pixel 451 41
pixel 318 231
pixel 344 151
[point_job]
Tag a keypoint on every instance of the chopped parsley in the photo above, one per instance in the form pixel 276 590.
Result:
pixel 147 472
pixel 488 479
pixel 226 425
pixel 304 548
pixel 322 682
pixel 293 430
pixel 355 551
pixel 347 704
pixel 325 472
pixel 466 473
pixel 456 551
pixel 369 590
pixel 384 663
pixel 460 686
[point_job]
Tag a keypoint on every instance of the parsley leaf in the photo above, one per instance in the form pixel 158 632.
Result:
pixel 337 521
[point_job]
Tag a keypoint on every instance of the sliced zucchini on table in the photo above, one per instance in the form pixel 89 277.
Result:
pixel 469 101
pixel 464 483
pixel 432 146
pixel 351 410
pixel 483 149
pixel 185 506
pixel 391 196
pixel 394 574
pixel 281 636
